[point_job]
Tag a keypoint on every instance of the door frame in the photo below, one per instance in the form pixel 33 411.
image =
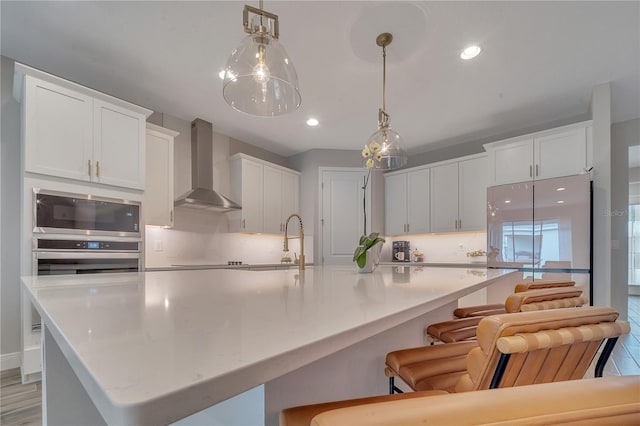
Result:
pixel 320 218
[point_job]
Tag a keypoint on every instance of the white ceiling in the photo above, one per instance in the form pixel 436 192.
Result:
pixel 539 63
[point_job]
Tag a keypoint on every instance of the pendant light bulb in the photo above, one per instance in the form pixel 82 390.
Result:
pixel 261 73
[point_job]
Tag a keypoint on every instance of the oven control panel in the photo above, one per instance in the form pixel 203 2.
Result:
pixel 89 245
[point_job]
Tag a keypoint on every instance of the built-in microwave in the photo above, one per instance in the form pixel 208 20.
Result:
pixel 63 213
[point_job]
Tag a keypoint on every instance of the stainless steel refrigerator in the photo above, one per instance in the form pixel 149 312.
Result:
pixel 542 227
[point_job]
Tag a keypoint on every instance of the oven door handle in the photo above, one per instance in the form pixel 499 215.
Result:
pixel 83 255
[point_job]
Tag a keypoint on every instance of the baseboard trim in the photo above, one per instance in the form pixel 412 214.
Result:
pixel 634 290
pixel 9 361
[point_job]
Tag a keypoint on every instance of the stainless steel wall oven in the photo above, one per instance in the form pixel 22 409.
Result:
pixel 57 212
pixel 84 234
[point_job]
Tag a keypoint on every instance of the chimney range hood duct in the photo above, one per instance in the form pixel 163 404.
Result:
pixel 202 196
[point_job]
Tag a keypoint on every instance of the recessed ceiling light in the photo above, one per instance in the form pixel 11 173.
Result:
pixel 560 189
pixel 507 201
pixel 312 122
pixel 470 52
pixel 221 74
pixel 560 202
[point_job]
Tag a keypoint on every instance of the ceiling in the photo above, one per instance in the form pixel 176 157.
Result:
pixel 539 63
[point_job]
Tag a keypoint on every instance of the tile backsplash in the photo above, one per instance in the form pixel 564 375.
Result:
pixel 440 248
pixel 201 238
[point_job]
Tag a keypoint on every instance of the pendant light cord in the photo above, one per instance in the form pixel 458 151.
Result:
pixel 384 78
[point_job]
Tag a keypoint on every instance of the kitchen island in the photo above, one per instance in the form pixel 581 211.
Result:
pixel 157 347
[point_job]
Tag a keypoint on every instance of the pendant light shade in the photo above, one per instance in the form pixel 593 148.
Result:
pixel 391 154
pixel 259 77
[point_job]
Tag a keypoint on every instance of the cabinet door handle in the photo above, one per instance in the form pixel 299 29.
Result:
pixel 97 168
pixel 243 223
pixel 537 170
pixel 408 227
pixel 460 224
pixel 89 167
pixel 171 217
pixel 530 170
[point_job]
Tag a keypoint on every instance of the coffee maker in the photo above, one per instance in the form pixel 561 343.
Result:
pixel 401 251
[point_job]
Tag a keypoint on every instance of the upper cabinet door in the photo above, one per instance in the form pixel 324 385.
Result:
pixel 158 192
pixel 272 183
pixel 512 162
pixel 418 202
pixel 119 146
pixel 472 194
pixel 57 130
pixel 561 154
pixel 395 194
pixel 252 197
pixel 290 195
pixel 444 198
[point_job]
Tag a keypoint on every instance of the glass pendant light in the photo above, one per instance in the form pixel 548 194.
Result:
pixel 259 78
pixel 391 155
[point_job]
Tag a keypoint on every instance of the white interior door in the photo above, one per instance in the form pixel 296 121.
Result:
pixel 343 213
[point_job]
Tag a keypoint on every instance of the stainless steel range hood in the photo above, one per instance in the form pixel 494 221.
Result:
pixel 202 196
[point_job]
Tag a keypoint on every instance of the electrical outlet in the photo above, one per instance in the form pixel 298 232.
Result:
pixel 157 245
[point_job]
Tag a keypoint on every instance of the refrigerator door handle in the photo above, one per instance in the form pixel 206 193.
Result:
pixel 530 170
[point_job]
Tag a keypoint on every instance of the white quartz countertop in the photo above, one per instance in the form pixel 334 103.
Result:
pixel 249 266
pixel 154 347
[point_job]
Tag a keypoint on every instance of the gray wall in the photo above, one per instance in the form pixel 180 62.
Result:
pixel 10 219
pixel 623 135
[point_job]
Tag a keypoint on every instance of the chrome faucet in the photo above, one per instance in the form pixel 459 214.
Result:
pixel 286 240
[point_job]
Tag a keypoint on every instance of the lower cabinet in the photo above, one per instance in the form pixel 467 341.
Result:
pixel 158 193
pixel 268 193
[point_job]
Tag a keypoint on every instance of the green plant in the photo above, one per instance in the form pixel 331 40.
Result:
pixel 365 243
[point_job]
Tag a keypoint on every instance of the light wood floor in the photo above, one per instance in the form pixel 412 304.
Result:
pixel 21 404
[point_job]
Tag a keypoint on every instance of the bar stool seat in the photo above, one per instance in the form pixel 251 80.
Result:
pixel 457 330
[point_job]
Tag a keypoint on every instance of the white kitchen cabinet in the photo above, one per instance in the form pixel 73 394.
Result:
pixel 57 130
pixel 407 202
pixel 290 195
pixel 395 197
pixel 267 192
pixel 118 146
pixel 74 132
pixel 458 195
pixel 272 201
pixel 472 194
pixel 560 154
pixel 246 187
pixel 444 198
pixel 552 153
pixel 158 193
pixel 512 162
